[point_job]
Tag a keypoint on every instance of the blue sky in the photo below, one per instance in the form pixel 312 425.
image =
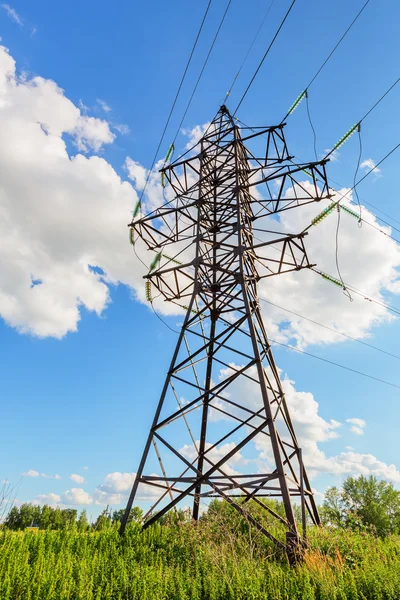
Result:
pixel 86 399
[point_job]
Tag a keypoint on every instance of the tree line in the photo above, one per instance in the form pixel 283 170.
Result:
pixel 363 503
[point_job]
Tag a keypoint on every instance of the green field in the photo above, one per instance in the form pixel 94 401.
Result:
pixel 193 562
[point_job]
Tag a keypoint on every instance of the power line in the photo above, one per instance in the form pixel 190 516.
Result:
pixel 380 100
pixel 353 339
pixel 331 362
pixel 248 51
pixel 363 118
pixel 202 70
pixel 293 348
pixel 337 45
pixel 360 180
pixel 331 53
pixel 265 55
pixel 176 98
pixel 364 295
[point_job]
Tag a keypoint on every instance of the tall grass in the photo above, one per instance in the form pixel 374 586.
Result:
pixel 193 563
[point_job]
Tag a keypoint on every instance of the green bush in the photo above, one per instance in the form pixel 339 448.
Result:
pixel 220 558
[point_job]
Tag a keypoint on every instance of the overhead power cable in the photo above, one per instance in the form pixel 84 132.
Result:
pixel 355 290
pixel 328 328
pixel 302 95
pixel 248 51
pixel 331 362
pixel 175 99
pixel 353 129
pixel 265 56
pixel 202 70
pixel 337 202
pixel 293 348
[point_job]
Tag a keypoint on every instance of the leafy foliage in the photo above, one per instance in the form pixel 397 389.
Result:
pixel 364 503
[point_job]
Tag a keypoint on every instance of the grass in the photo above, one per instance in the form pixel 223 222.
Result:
pixel 189 562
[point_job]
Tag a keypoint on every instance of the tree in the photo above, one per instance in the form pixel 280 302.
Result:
pixel 334 510
pixel 365 501
pixel 82 522
pixel 136 515
pixel 103 521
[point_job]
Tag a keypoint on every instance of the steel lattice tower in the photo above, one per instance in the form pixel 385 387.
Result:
pixel 215 240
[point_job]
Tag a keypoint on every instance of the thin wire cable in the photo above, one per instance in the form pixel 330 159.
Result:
pixel 331 362
pixel 337 45
pixel 345 290
pixel 265 56
pixel 248 51
pixel 360 221
pixel 345 335
pixel 307 354
pixel 380 100
pixel 364 295
pixel 202 70
pixel 312 127
pixel 162 320
pixel 138 257
pixel 371 109
pixel 175 99
pixel 362 178
pixel 332 52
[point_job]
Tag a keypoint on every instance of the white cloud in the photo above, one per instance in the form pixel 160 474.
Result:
pixel 12 14
pixel 369 164
pixel 136 173
pixel 51 499
pixel 85 468
pixel 77 209
pixel 103 105
pixel 311 430
pixel 56 476
pixel 117 486
pixel 121 128
pixel 357 430
pixel 333 157
pixel 368 260
pixel 215 455
pixel 73 213
pixel 77 478
pixel 195 134
pixel 357 425
pixel 31 473
pixel 356 421
pixel 76 496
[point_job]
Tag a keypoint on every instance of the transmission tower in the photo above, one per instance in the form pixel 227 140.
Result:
pixel 222 428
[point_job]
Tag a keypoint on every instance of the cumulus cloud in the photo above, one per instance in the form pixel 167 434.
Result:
pixel 357 425
pixel 103 105
pixel 77 478
pixel 73 214
pixel 312 431
pixel 56 476
pixel 136 173
pixel 369 164
pixel 70 217
pixel 368 260
pixel 194 135
pixel 31 473
pixel 122 128
pixel 76 496
pixel 12 14
pixel 51 499
pixel 215 455
pixel 116 487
